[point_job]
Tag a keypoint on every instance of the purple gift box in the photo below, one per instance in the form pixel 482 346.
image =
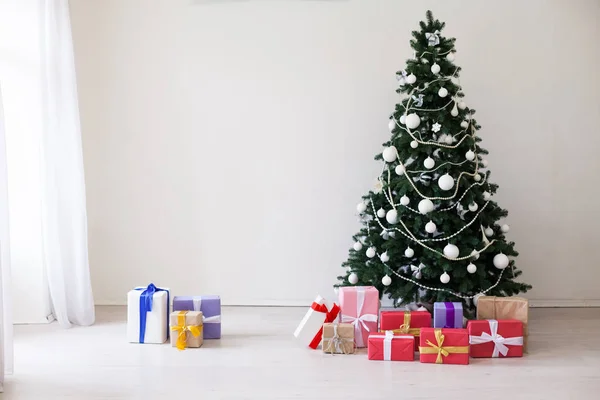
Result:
pixel 211 312
pixel 447 315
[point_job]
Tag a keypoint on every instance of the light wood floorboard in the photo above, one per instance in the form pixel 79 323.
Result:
pixel 258 359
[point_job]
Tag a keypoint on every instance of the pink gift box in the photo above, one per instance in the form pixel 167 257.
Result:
pixel 360 306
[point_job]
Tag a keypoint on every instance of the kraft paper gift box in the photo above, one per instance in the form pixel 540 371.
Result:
pixel 148 315
pixel 447 315
pixel 338 338
pixel 405 323
pixel 310 330
pixel 389 347
pixel 360 306
pixel 444 346
pixel 186 327
pixel 490 307
pixel 495 338
pixel 211 312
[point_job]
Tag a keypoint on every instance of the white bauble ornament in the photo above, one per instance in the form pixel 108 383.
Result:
pixel 384 257
pixel 404 200
pixel 471 268
pixel 500 261
pixel 386 281
pixel 392 124
pixel 462 105
pixel 451 251
pixel 477 177
pixel 454 111
pixel 412 121
pixel 489 232
pixel 429 163
pixel 443 92
pixel 425 206
pixel 353 279
pixel 430 227
pixel 409 252
pixel 414 144
pixel 399 169
pixel 446 182
pixel 470 155
pixel 464 124
pixel 361 207
pixel 403 119
pixel 449 139
pixel 357 246
pixel 390 154
pixel 505 228
pixel 487 196
pixel 445 278
pixel 391 216
pixel 484 163
pixel 411 79
pixel 472 207
pixel 474 255
pixel 381 213
pixel 450 57
pixel 371 252
pixel 435 68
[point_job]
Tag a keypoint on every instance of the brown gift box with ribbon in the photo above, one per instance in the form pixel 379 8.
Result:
pixel 490 307
pixel 405 323
pixel 186 329
pixel 338 338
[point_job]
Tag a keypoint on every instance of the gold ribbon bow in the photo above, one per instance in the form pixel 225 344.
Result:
pixel 405 328
pixel 440 350
pixel 183 329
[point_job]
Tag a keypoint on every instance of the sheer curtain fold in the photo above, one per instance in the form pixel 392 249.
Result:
pixel 64 216
pixel 6 327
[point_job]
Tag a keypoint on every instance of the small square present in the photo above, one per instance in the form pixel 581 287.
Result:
pixel 389 347
pixel 447 315
pixel 310 330
pixel 405 323
pixel 360 305
pixel 338 338
pixel 211 312
pixel 496 338
pixel 187 329
pixel 148 315
pixel 444 346
pixel 490 307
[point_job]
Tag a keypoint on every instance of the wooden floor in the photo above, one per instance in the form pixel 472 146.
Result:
pixel 258 359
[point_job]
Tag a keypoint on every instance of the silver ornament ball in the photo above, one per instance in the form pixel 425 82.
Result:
pixel 391 216
pixel 425 206
pixel 430 227
pixel 381 213
pixel 429 163
pixel 399 169
pixel 443 92
pixel 384 257
pixel 371 252
pixel 471 268
pixel 390 154
pixel 446 182
pixel 404 200
pixel 357 246
pixel 445 278
pixel 412 121
pixel 435 68
pixel 386 280
pixel 451 251
pixel 409 252
pixel 505 228
pixel 353 279
pixel 501 261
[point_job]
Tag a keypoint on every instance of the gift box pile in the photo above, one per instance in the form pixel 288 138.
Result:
pixel 357 321
pixel 194 318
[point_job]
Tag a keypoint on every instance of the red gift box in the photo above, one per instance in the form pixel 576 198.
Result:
pixel 405 323
pixel 389 347
pixel 444 346
pixel 496 338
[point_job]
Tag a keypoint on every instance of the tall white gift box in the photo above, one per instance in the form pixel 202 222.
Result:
pixel 147 315
pixel 310 329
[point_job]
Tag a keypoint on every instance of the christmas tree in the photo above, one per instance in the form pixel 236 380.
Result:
pixel 431 229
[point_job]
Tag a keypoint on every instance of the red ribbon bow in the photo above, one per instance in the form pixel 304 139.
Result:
pixel 330 316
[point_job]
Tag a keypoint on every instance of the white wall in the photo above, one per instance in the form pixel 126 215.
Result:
pixel 20 77
pixel 228 142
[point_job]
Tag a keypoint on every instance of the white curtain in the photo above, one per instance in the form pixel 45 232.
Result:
pixel 6 327
pixel 64 219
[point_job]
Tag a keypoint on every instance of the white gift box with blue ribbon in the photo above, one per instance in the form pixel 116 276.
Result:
pixel 148 315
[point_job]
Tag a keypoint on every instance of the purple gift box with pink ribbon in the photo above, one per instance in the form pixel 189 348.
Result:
pixel 447 315
pixel 211 312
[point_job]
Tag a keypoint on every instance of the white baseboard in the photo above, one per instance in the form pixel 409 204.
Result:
pixel 532 303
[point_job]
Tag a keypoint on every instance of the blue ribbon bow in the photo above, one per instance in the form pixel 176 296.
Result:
pixel 146 307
